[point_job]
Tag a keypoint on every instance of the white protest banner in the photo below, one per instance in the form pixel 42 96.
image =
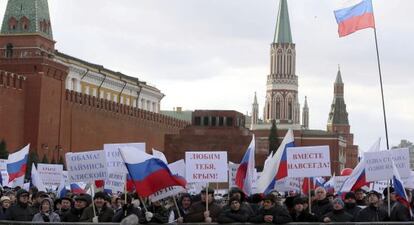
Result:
pixel 312 161
pixel 86 166
pixel 166 192
pixel 232 174
pixel 339 181
pixel 177 168
pixel 288 184
pixel 409 181
pixel 115 165
pixel 378 165
pixel 206 166
pixel 51 174
pixel 195 188
pixel 65 177
pixel 254 188
pixel 3 170
pixel 379 186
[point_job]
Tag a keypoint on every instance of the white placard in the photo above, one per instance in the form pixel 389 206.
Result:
pixel 379 186
pixel 86 166
pixel 3 170
pixel 378 165
pixel 288 184
pixel 117 171
pixel 51 174
pixel 232 174
pixel 339 181
pixel 312 161
pixel 166 192
pixel 206 166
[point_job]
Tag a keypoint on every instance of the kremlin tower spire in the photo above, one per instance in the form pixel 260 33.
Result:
pixel 338 116
pixel 305 115
pixel 255 111
pixel 282 83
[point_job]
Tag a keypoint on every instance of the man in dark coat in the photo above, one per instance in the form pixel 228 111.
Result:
pixel 238 193
pixel 321 205
pixel 198 212
pixel 235 213
pixel 271 212
pixel 351 206
pixel 373 212
pixel 127 209
pixel 401 212
pixel 102 212
pixel 299 213
pixel 21 211
pixel 75 213
pixel 338 214
pixel 360 198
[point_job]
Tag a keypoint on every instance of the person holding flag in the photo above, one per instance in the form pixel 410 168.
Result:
pixel 401 210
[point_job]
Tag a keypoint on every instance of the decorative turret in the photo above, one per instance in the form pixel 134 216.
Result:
pixel 338 116
pixel 282 102
pixel 255 110
pixel 305 115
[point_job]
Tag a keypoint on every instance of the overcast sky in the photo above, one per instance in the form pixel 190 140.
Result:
pixel 214 54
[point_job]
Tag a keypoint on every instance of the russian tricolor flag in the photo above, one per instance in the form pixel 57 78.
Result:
pixel 17 163
pixel 245 172
pixel 76 189
pixel 276 167
pixel 355 15
pixel 399 188
pixel 148 173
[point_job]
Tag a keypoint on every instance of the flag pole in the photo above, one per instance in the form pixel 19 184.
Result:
pixel 382 89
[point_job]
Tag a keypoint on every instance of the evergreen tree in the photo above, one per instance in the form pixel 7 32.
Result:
pixel 33 158
pixel 273 139
pixel 4 154
pixel 44 159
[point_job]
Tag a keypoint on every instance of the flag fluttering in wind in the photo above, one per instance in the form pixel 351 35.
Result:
pixel 149 174
pixel 17 163
pixel 36 179
pixel 276 167
pixel 246 171
pixel 399 188
pixel 353 16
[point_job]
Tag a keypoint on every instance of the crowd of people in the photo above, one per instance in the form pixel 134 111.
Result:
pixel 359 206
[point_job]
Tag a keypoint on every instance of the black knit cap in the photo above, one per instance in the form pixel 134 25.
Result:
pixel 100 194
pixel 350 195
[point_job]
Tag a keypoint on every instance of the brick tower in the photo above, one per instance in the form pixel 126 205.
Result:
pixel 27 48
pixel 282 83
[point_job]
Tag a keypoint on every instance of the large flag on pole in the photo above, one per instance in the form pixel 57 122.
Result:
pixel 276 167
pixel 353 16
pixel 246 171
pixel 148 173
pixel 17 163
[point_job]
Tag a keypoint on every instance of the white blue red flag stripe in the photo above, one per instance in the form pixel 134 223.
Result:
pixel 356 16
pixel 245 172
pixel 399 188
pixel 76 189
pixel 148 173
pixel 17 163
pixel 276 167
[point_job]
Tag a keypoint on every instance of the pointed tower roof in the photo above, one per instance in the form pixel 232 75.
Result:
pixel 306 103
pixel 338 79
pixel 27 17
pixel 283 33
pixel 255 98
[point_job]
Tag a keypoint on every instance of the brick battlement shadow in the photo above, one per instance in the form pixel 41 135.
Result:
pixel 11 80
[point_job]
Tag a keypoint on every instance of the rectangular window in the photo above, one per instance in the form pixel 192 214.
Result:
pixel 205 121
pixel 197 121
pixel 221 121
pixel 213 121
pixel 229 122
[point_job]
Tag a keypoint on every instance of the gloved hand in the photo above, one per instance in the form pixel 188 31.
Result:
pixel 148 216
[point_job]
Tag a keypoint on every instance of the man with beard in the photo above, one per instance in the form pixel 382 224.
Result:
pixel 75 213
pixel 351 206
pixel 21 211
pixel 271 212
pixel 373 212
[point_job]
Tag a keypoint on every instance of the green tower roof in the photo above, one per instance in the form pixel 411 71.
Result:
pixel 283 33
pixel 27 17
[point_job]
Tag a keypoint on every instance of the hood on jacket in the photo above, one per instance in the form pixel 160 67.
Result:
pixel 50 202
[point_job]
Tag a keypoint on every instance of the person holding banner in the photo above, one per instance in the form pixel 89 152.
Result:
pixel 271 212
pixel 401 212
pixel 98 212
pixel 373 212
pixel 198 211
pixel 156 213
pixel 184 206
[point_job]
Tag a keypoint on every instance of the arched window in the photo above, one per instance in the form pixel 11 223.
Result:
pixel 268 110
pixel 12 23
pixel 9 50
pixel 290 110
pixel 278 108
pixel 24 23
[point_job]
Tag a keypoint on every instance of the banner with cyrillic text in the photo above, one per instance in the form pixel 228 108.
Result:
pixel 117 171
pixel 51 174
pixel 312 161
pixel 86 166
pixel 232 174
pixel 378 165
pixel 206 166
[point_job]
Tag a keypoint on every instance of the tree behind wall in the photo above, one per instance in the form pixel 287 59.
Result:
pixel 44 159
pixel 33 158
pixel 273 139
pixel 4 154
pixel 62 162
